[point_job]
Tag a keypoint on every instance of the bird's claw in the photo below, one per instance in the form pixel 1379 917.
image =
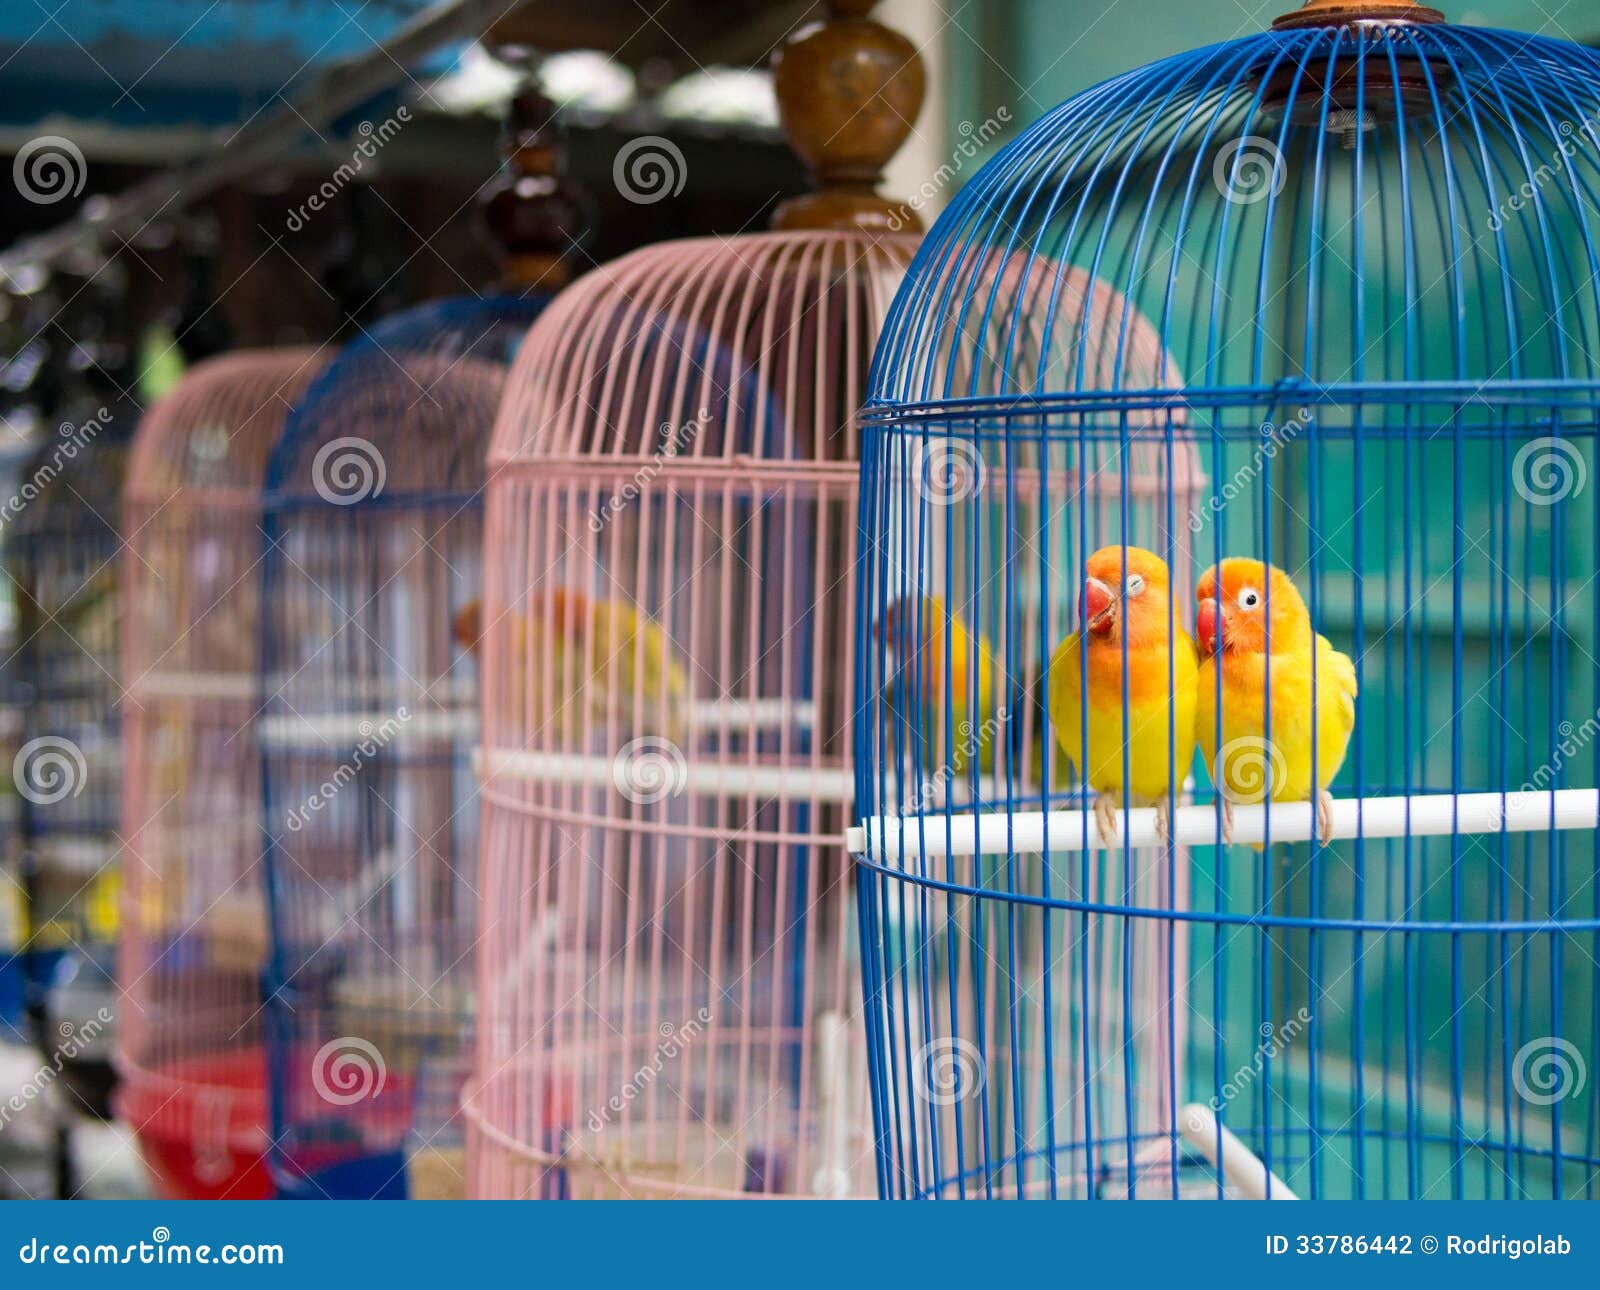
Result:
pixel 1105 818
pixel 1164 822
pixel 1325 817
pixel 1227 819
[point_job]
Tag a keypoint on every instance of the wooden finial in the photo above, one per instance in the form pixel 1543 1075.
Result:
pixel 1341 13
pixel 532 210
pixel 849 90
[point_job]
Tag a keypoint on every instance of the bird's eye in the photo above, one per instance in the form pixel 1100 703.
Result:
pixel 1249 598
pixel 1134 585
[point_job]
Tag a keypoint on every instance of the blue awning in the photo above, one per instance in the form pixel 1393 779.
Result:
pixel 140 64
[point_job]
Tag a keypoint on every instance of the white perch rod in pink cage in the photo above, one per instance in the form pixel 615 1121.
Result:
pixel 893 838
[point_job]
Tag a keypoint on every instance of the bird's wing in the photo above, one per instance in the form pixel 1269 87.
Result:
pixel 1341 672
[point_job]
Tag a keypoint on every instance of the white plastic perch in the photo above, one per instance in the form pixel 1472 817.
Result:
pixel 892 838
pixel 1240 1166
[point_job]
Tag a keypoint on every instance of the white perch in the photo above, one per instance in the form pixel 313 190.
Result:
pixel 1240 1167
pixel 704 776
pixel 995 833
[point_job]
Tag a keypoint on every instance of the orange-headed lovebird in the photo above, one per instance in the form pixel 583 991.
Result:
pixel 604 656
pixel 1127 615
pixel 1247 609
pixel 940 654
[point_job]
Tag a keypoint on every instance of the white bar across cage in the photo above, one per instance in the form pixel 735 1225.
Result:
pixel 998 833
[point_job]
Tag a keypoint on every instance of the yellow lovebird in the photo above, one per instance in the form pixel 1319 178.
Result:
pixel 1127 614
pixel 932 653
pixel 605 658
pixel 1246 609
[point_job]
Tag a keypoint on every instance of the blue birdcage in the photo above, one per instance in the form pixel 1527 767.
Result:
pixel 373 552
pixel 371 576
pixel 1300 327
pixel 60 531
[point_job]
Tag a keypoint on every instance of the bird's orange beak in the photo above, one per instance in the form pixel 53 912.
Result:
pixel 1208 625
pixel 1097 606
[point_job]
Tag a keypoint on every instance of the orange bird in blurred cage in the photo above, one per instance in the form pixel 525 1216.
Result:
pixel 1127 616
pixel 618 659
pixel 1247 609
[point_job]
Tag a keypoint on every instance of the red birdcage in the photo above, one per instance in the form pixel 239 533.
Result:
pixel 193 931
pixel 668 991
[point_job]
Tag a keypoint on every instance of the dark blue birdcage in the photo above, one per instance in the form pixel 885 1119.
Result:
pixel 371 572
pixel 60 530
pixel 1253 913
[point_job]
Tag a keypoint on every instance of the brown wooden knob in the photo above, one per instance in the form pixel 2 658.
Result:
pixel 849 90
pixel 533 212
pixel 1340 13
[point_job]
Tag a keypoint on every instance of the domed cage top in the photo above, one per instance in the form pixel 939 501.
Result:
pixel 371 571
pixel 666 975
pixel 193 940
pixel 61 539
pixel 1324 299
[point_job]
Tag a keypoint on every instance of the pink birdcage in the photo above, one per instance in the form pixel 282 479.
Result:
pixel 193 929
pixel 669 994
